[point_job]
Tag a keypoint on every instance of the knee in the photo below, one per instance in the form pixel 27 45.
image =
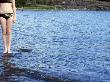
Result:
pixel 4 33
pixel 8 32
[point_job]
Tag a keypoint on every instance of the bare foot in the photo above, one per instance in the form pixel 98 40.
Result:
pixel 9 51
pixel 5 51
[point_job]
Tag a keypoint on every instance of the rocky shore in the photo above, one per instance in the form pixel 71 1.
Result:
pixel 75 5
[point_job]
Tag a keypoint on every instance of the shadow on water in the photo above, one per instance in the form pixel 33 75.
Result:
pixel 10 73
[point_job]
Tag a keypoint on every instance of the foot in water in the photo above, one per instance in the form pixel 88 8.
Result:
pixel 9 51
pixel 5 51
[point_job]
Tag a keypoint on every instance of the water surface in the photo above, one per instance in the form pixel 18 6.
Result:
pixel 66 46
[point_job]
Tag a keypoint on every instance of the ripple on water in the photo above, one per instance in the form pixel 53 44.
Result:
pixel 67 44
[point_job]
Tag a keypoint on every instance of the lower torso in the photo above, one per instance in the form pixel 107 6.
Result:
pixel 6 8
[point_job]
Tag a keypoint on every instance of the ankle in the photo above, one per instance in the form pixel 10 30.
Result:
pixel 5 51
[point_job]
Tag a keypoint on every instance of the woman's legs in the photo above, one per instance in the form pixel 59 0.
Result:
pixel 4 36
pixel 9 33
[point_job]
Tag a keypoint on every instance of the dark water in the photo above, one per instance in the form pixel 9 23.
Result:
pixel 64 46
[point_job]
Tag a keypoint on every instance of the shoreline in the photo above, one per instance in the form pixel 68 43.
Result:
pixel 22 9
pixel 49 9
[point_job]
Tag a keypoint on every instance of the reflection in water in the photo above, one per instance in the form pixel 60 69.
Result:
pixel 12 74
pixel 5 76
pixel 7 71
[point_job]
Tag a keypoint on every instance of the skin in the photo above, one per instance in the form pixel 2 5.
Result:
pixel 6 25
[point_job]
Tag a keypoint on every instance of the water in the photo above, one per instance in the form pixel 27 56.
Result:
pixel 64 46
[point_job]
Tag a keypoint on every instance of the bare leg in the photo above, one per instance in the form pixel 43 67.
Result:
pixel 3 25
pixel 9 33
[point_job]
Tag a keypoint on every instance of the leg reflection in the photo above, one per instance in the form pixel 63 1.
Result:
pixel 7 68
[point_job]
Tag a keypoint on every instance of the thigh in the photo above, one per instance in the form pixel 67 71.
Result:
pixel 3 23
pixel 9 23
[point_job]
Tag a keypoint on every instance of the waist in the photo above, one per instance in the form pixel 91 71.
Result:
pixel 5 2
pixel 3 11
pixel 7 13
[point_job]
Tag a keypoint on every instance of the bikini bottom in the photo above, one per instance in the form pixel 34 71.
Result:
pixel 6 15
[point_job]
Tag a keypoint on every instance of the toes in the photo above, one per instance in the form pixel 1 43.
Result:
pixel 9 51
pixel 5 52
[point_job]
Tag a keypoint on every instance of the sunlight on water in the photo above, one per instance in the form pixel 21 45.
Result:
pixel 61 45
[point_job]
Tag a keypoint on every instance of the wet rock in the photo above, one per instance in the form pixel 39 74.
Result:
pixel 25 50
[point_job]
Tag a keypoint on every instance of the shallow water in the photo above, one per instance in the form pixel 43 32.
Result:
pixel 64 46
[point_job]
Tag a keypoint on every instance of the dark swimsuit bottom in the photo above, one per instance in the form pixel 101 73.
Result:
pixel 6 15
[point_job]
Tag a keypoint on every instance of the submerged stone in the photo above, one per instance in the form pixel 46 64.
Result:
pixel 25 50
